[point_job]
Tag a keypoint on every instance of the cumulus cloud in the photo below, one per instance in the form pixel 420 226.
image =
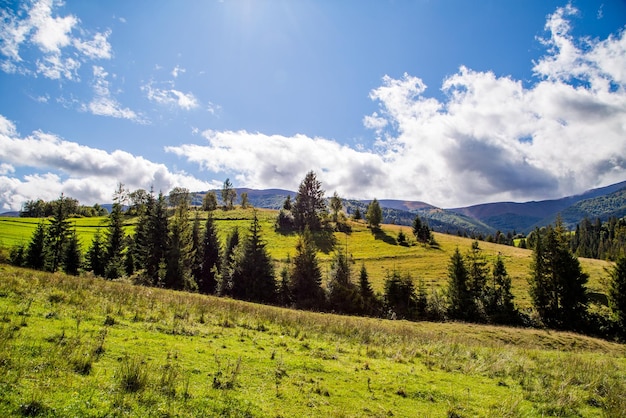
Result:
pixel 490 139
pixel 58 41
pixel 103 103
pixel 85 173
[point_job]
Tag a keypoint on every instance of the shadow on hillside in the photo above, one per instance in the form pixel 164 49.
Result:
pixel 325 240
pixel 382 235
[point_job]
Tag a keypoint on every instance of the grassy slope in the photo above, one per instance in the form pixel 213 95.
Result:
pixel 379 252
pixel 72 347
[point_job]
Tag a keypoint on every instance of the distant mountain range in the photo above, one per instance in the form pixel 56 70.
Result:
pixel 485 219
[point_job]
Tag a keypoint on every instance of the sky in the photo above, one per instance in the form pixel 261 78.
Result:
pixel 449 102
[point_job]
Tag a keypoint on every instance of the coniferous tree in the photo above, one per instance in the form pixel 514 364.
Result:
pixel 96 255
pixel 36 248
pixel 309 206
pixel 196 246
pixel 343 295
pixel 253 276
pixel 283 292
pixel 157 240
pixel 129 257
pixel 369 303
pixel 400 297
pixel 115 243
pixel 421 231
pixel 557 282
pixel 617 294
pixel 306 275
pixel 58 233
pixel 209 256
pixel 460 300
pixel 72 258
pixel 374 215
pixel 180 255
pixel 227 264
pixel 477 271
pixel 501 308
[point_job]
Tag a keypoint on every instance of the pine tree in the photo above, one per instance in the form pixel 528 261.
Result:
pixel 227 264
pixel 617 294
pixel 253 276
pixel 283 292
pixel 557 283
pixel 96 255
pixel 306 275
pixel 209 256
pixel 58 233
pixel 501 308
pixel 477 271
pixel 369 302
pixel 72 258
pixel 343 295
pixel 460 300
pixel 36 248
pixel 180 255
pixel 400 297
pixel 154 249
pixel 309 206
pixel 115 244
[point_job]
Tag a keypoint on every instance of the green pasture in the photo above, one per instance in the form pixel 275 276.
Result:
pixel 83 346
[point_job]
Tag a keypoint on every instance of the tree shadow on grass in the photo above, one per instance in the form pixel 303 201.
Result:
pixel 382 235
pixel 325 240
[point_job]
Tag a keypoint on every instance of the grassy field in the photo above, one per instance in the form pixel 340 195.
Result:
pixel 82 346
pixel 379 252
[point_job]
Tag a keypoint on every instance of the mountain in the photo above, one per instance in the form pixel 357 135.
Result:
pixel 524 217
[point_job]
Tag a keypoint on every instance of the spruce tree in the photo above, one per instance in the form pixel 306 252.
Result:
pixel 36 248
pixel 209 256
pixel 57 236
pixel 227 264
pixel 155 247
pixel 369 303
pixel 557 282
pixel 309 207
pixel 343 295
pixel 253 275
pixel 477 270
pixel 283 292
pixel 180 255
pixel 460 300
pixel 501 308
pixel 96 255
pixel 400 297
pixel 72 258
pixel 617 294
pixel 306 275
pixel 115 244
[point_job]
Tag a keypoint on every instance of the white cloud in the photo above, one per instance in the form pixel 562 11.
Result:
pixel 98 48
pixel 87 174
pixel 171 97
pixel 177 71
pixel 103 104
pixel 56 40
pixel 490 139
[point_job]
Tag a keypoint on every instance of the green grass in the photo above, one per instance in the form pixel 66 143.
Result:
pixel 379 252
pixel 82 346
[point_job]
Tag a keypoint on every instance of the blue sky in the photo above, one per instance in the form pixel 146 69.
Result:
pixel 450 102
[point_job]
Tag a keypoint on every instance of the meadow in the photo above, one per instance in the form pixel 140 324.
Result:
pixel 379 252
pixel 84 346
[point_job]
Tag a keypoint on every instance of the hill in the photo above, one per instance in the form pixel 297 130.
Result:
pixel 524 217
pixel 81 346
pixel 482 219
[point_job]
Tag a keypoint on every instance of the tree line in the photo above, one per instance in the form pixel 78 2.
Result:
pixel 170 248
